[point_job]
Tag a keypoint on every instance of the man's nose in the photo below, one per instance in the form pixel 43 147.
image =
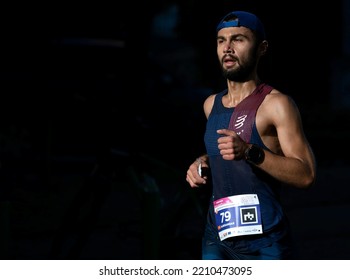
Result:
pixel 227 48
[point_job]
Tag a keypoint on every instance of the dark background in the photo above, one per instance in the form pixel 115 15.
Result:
pixel 101 114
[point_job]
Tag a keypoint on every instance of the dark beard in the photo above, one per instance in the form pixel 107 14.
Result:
pixel 243 73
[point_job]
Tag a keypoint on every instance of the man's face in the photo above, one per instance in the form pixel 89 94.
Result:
pixel 237 52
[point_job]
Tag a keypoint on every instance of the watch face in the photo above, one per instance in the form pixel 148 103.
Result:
pixel 255 154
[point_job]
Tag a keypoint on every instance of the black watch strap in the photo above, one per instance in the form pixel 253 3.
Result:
pixel 255 154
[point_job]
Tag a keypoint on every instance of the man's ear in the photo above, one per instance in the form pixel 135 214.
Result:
pixel 263 47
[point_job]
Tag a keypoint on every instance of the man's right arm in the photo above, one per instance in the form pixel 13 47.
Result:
pixel 296 165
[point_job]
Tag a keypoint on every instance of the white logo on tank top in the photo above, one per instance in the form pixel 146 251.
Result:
pixel 240 121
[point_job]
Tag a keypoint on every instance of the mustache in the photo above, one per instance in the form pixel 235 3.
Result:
pixel 229 57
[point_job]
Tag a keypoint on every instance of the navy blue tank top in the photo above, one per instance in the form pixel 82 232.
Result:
pixel 235 177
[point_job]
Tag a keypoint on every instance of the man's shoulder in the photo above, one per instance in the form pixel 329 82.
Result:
pixel 282 104
pixel 278 96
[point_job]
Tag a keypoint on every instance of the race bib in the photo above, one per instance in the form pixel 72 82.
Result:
pixel 238 215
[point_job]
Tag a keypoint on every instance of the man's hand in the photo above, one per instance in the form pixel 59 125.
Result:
pixel 231 146
pixel 197 172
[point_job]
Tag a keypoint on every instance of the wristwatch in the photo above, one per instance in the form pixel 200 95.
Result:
pixel 254 154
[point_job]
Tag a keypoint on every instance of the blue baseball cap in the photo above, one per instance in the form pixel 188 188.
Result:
pixel 245 19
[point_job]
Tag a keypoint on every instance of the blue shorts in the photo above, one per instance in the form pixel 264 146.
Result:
pixel 252 247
